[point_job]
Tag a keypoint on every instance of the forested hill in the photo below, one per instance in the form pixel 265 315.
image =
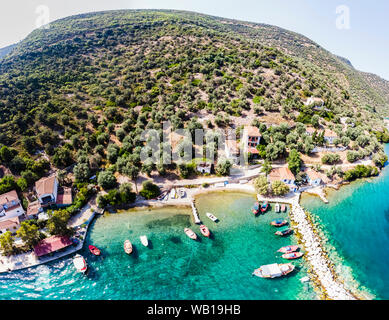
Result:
pixel 4 51
pixel 62 88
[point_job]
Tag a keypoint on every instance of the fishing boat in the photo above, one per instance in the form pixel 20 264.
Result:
pixel 255 208
pixel 292 255
pixel 264 206
pixel 211 216
pixel 277 207
pixel 205 231
pixel 279 222
pixel 79 263
pixel 127 247
pixel 283 232
pixel 144 240
pixel 190 233
pixel 288 249
pixel 283 207
pixel 94 250
pixel 274 270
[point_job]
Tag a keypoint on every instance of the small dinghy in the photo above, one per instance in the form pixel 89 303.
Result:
pixel 144 240
pixel 127 247
pixel 277 207
pixel 190 233
pixel 79 263
pixel 283 208
pixel 205 231
pixel 265 206
pixel 255 208
pixel 274 270
pixel 292 255
pixel 288 249
pixel 212 217
pixel 283 232
pixel 279 222
pixel 94 250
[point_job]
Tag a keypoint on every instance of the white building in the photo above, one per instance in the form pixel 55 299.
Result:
pixel 10 211
pixel 204 167
pixel 47 190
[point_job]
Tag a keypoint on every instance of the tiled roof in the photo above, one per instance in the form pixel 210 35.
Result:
pixel 10 223
pixel 9 200
pixel 51 244
pixel 282 173
pixel 252 131
pixel 45 185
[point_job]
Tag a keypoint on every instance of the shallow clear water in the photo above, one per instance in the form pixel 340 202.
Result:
pixel 174 267
pixel 357 223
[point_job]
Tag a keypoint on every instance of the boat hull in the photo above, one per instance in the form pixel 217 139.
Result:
pixel 205 231
pixel 127 247
pixel 288 249
pixel 292 255
pixel 94 250
pixel 190 233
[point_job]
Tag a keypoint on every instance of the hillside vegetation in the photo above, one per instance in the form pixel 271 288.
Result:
pixel 83 90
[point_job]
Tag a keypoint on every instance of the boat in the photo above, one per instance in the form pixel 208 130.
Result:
pixel 190 233
pixel 205 231
pixel 144 241
pixel 211 216
pixel 255 208
pixel 173 194
pixel 127 247
pixel 94 250
pixel 288 249
pixel 283 207
pixel 182 193
pixel 79 263
pixel 304 279
pixel 279 222
pixel 277 207
pixel 274 270
pixel 264 206
pixel 292 255
pixel 283 232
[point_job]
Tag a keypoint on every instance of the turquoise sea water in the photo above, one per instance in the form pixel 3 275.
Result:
pixel 174 267
pixel 357 223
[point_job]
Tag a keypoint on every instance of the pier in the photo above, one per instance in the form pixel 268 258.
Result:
pixel 195 213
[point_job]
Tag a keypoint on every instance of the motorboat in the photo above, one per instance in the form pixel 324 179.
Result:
pixel 283 232
pixel 274 270
pixel 94 250
pixel 127 247
pixel 277 208
pixel 212 217
pixel 279 222
pixel 283 207
pixel 292 255
pixel 182 193
pixel 80 263
pixel 255 208
pixel 288 249
pixel 264 206
pixel 190 233
pixel 205 231
pixel 144 240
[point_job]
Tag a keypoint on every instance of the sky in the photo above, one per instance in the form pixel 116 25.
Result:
pixel 355 29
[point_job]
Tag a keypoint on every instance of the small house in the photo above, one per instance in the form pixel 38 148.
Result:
pixel 47 190
pixel 204 167
pixel 285 175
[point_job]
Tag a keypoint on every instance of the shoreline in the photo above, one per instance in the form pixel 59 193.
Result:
pixel 322 268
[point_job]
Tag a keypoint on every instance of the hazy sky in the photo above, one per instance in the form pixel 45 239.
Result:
pixel 365 42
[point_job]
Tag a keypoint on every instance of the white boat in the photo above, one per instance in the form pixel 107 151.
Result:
pixel 277 207
pixel 305 279
pixel 274 270
pixel 190 233
pixel 182 193
pixel 144 240
pixel 173 194
pixel 211 216
pixel 79 263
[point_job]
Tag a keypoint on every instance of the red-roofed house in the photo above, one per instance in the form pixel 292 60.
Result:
pixel 285 175
pixel 10 211
pixel 47 190
pixel 251 139
pixel 51 244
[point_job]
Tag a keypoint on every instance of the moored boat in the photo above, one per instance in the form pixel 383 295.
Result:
pixel 283 232
pixel 144 240
pixel 264 206
pixel 190 233
pixel 94 250
pixel 212 217
pixel 292 255
pixel 127 247
pixel 279 222
pixel 79 263
pixel 205 231
pixel 255 208
pixel 283 207
pixel 288 249
pixel 277 208
pixel 274 270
